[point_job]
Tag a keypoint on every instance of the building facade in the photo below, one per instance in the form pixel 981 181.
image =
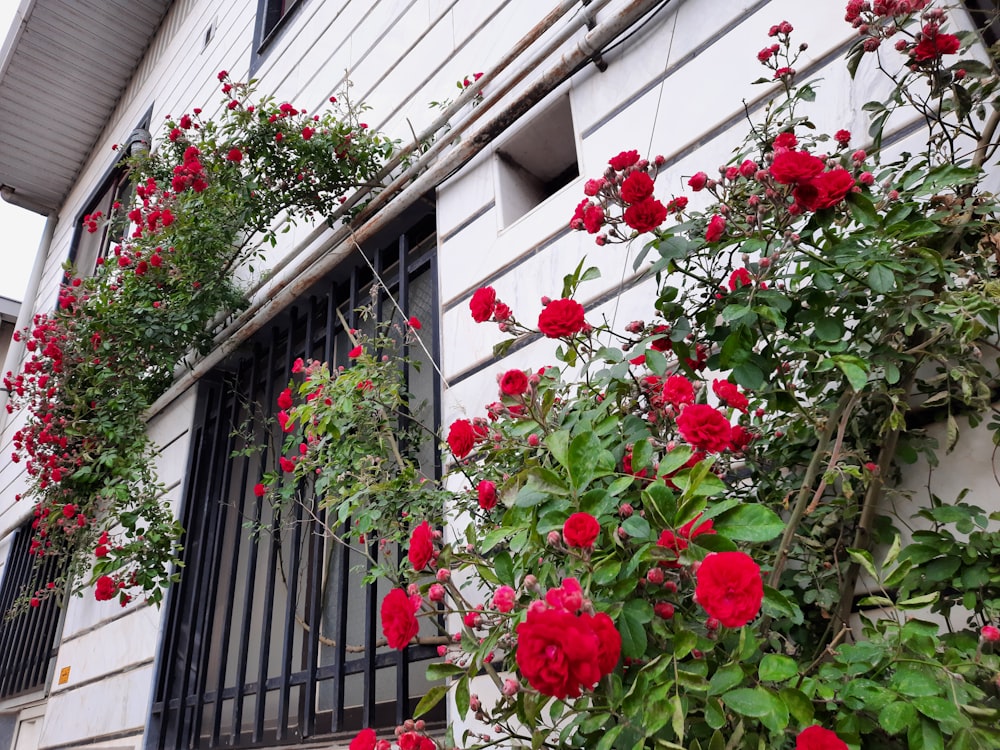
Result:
pixel 269 640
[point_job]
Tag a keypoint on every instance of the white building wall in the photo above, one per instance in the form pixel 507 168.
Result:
pixel 676 87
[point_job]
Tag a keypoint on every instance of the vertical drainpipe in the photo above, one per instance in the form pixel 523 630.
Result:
pixel 27 311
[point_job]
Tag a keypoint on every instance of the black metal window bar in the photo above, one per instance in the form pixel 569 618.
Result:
pixel 27 640
pixel 271 637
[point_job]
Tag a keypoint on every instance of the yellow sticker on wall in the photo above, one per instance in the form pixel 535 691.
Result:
pixel 64 675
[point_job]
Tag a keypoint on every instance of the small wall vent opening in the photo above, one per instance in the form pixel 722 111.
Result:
pixel 536 161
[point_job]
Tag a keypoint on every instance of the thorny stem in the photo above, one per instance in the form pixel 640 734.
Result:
pixel 805 491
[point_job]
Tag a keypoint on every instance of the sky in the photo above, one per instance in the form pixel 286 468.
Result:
pixel 21 229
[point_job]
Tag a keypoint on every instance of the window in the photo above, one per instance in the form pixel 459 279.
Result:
pixel 270 636
pixel 271 17
pixel 88 247
pixel 28 640
pixel 536 161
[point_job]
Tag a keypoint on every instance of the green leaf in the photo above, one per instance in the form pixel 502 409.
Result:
pixel 637 527
pixel 864 559
pixel 754 702
pixel 862 209
pixel 431 698
pixel 725 679
pixel 798 704
pixel 583 459
pixel 631 625
pixel 750 523
pixel 558 445
pixel 915 682
pixel 684 643
pixel 896 717
pixel 854 368
pixel 462 696
pixel 608 737
pixel 777 604
pixel 924 735
pixel 777 668
pixel 441 670
pixel 919 602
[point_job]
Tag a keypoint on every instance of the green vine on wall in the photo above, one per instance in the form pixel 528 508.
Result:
pixel 209 200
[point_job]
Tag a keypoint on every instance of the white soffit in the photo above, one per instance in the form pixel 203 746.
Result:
pixel 63 68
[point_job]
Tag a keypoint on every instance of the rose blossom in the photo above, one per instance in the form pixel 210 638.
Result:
pixel 715 229
pixel 824 191
pixel 559 653
pixel 624 160
pixel 513 383
pixel 730 394
pixel 739 277
pixel 790 167
pixel 705 427
pixel 678 542
pixel 646 215
pixel 785 141
pixel 677 391
pixel 503 599
pixel 487 494
pixel 818 738
pixel 482 304
pixel 990 633
pixel 561 317
pixel 698 181
pixel 461 438
pixel 105 589
pixel 932 47
pixel 729 587
pixel 364 740
pixel 636 187
pixel 399 623
pixel 581 530
pixel 421 546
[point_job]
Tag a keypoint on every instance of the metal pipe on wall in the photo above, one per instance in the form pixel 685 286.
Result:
pixel 320 254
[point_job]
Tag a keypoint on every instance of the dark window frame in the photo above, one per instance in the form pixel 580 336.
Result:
pixel 272 18
pixel 29 641
pixel 115 185
pixel 195 657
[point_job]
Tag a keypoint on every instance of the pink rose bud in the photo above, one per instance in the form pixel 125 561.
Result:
pixel 533 440
pixel 663 610
pixel 990 633
pixel 436 592
pixel 655 576
pixel 553 538
pixel 625 510
pixel 444 575
pixel 510 687
pixel 474 703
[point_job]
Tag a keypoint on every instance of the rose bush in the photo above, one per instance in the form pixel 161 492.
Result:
pixel 667 535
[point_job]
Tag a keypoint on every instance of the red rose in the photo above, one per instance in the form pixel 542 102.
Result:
pixel 677 391
pixel 741 438
pixel 482 304
pixel 514 383
pixel 698 181
pixel 285 399
pixel 461 438
pixel 593 219
pixel 234 155
pixel 259 490
pixel 581 530
pixel 790 167
pixel 678 542
pixel 364 740
pixel 715 229
pixel 843 137
pixel 487 491
pixel 704 427
pixel 287 464
pixel 646 215
pixel 824 191
pixel 818 738
pixel 558 653
pixel 609 640
pixel 101 550
pixel 932 47
pixel 421 546
pixel 636 187
pixel 785 140
pixel 730 588
pixel 399 623
pixel 561 317
pixel 105 589
pixel 730 394
pixel 356 352
pixel 739 277
pixel 624 160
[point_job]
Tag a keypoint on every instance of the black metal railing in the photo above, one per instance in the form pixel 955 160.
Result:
pixel 271 636
pixel 28 639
